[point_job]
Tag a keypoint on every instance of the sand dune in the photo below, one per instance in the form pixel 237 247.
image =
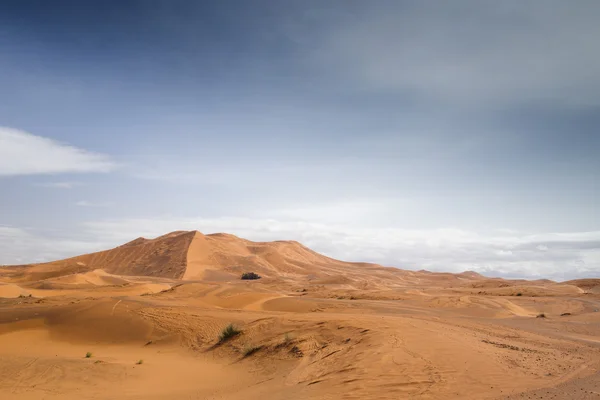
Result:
pixel 194 256
pixel 164 256
pixel 11 290
pixel 588 285
pixel 312 327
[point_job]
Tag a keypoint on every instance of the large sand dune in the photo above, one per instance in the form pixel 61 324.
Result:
pixel 150 312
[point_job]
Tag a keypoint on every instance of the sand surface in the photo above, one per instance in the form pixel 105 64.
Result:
pixel 150 312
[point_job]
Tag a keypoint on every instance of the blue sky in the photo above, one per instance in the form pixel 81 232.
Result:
pixel 449 136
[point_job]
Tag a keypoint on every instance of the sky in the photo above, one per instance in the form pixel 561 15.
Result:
pixel 437 135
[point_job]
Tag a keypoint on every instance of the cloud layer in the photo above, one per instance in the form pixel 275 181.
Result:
pixel 468 52
pixel 24 246
pixel 22 153
pixel 85 203
pixel 58 185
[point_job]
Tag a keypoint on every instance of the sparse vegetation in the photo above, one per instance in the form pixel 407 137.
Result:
pixel 541 315
pixel 286 342
pixel 508 346
pixel 171 289
pixel 140 362
pixel 296 351
pixel 251 349
pixel 88 355
pixel 519 294
pixel 250 276
pixel 228 332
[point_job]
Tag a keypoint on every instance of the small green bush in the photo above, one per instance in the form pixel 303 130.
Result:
pixel 228 332
pixel 88 355
pixel 250 276
pixel 140 362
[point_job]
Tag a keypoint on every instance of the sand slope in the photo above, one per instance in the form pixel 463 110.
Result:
pixel 164 256
pixel 210 254
pixel 9 290
pixel 588 285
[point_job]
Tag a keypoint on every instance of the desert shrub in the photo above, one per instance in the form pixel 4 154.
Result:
pixel 296 351
pixel 228 332
pixel 140 362
pixel 88 355
pixel 249 350
pixel 250 276
pixel 519 294
pixel 541 315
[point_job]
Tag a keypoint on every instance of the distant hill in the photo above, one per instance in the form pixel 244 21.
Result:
pixel 191 255
pixel 589 285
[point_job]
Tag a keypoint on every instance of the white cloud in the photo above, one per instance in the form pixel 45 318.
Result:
pixel 336 211
pixel 22 153
pixel 23 246
pixel 10 232
pixel 85 203
pixel 58 185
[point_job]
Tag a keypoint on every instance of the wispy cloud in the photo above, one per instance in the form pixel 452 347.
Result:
pixel 58 185
pixel 22 246
pixel 22 153
pixel 85 203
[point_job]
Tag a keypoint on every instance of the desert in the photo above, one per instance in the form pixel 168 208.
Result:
pixel 170 317
pixel 291 200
